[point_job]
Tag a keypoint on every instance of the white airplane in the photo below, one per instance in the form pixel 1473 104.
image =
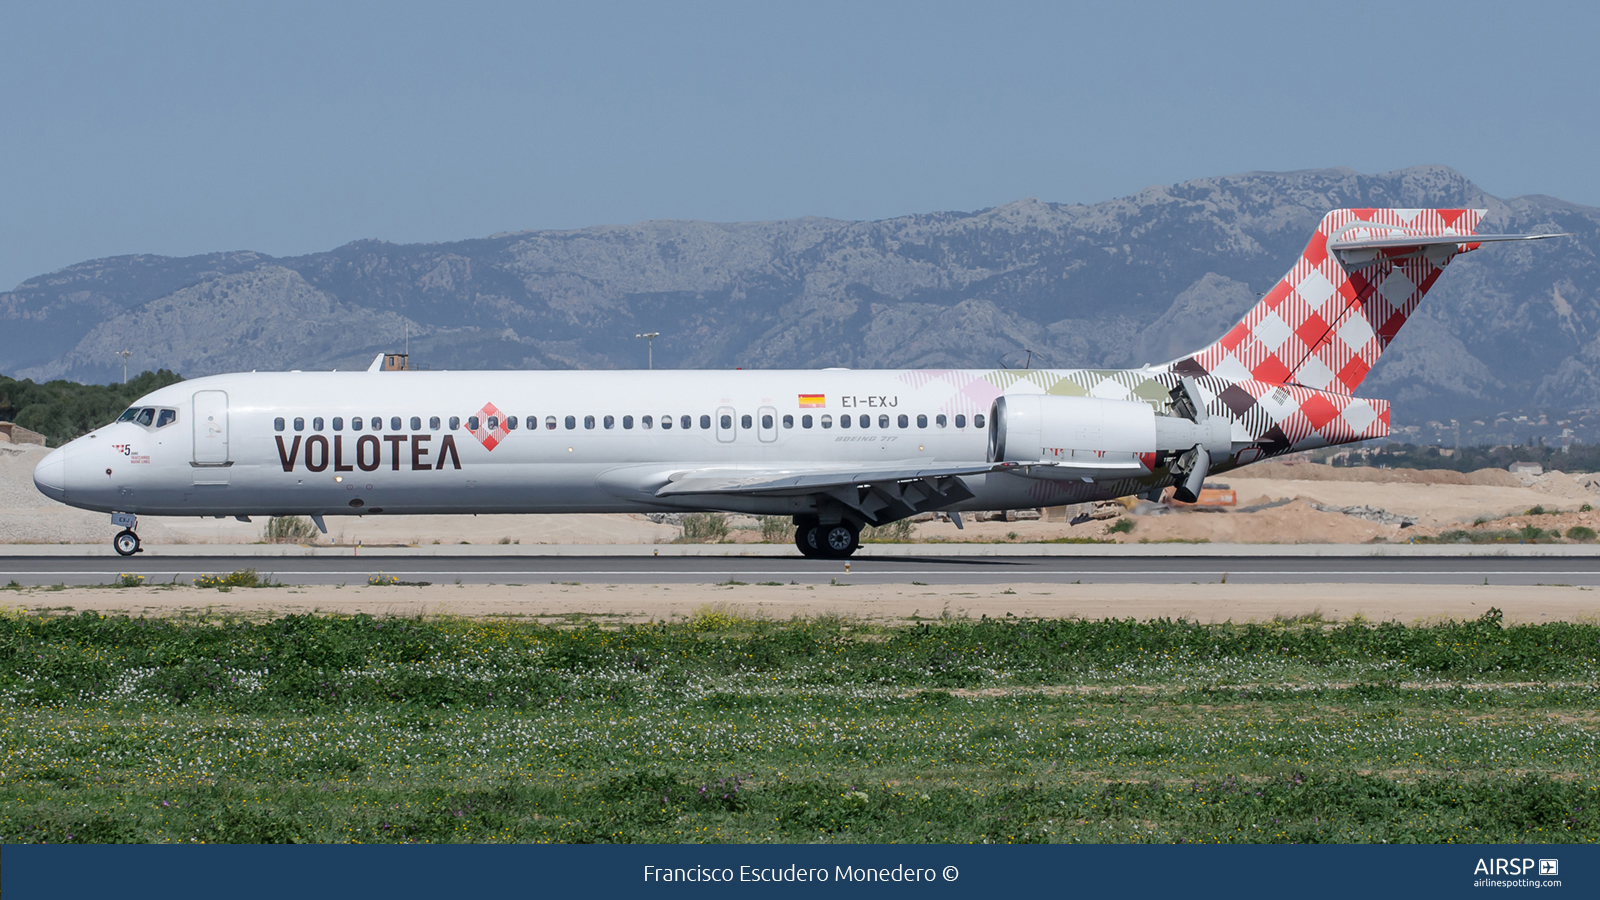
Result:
pixel 835 449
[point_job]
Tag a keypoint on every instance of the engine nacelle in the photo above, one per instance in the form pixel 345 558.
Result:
pixel 1090 437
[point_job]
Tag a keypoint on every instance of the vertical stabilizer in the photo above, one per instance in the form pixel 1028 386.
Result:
pixel 1325 324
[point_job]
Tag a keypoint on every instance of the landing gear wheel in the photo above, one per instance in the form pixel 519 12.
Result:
pixel 126 542
pixel 838 541
pixel 805 537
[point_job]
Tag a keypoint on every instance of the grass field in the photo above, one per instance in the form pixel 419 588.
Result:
pixel 727 729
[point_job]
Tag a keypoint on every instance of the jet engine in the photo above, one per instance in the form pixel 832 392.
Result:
pixel 1090 438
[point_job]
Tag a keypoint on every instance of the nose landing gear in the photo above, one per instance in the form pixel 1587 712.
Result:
pixel 126 543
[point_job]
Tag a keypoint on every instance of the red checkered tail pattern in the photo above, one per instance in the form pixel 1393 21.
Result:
pixel 1326 323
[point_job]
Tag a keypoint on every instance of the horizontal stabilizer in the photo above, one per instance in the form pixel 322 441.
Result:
pixel 1391 241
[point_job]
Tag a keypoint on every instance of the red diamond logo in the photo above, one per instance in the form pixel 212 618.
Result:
pixel 489 437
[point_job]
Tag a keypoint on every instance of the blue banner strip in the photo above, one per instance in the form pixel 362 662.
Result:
pixel 344 872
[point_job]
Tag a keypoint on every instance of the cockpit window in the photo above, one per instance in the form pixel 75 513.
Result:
pixel 166 417
pixel 133 411
pixel 146 416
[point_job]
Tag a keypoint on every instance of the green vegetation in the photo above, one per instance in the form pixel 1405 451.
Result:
pixel 297 530
pixel 1123 525
pixel 704 528
pixel 897 532
pixel 776 529
pixel 63 410
pixel 245 578
pixel 723 728
pixel 1527 534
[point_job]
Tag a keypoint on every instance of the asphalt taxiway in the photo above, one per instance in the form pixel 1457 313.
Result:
pixel 1581 571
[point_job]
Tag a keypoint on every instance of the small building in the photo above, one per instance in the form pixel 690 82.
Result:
pixel 1525 468
pixel 16 434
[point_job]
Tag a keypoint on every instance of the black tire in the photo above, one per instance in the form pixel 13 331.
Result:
pixel 125 543
pixel 838 541
pixel 805 538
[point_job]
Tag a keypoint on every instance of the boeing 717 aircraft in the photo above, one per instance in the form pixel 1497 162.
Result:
pixel 837 450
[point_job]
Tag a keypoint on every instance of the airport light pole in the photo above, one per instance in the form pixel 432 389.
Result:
pixel 125 354
pixel 650 345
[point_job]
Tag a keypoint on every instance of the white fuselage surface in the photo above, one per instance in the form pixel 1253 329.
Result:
pixel 547 442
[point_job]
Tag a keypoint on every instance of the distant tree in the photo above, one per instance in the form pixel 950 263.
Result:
pixel 63 410
pixel 1400 455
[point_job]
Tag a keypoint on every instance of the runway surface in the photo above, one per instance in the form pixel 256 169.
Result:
pixel 1576 571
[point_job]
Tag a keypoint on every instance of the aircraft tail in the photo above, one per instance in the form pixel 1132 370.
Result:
pixel 1324 325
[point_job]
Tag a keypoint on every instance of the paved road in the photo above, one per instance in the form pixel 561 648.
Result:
pixel 930 570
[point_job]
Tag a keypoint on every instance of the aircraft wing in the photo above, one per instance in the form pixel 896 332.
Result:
pixel 875 495
pixel 810 481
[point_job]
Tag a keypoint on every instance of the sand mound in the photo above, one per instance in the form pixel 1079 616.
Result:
pixel 1315 472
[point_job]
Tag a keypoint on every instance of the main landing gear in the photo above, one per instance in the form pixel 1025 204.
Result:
pixel 836 541
pixel 126 543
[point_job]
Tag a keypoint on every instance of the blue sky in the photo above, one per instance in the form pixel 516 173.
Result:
pixel 288 128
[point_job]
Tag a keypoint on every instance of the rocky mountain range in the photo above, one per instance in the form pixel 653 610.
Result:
pixel 1138 279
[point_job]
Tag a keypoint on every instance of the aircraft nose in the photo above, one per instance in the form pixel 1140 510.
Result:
pixel 50 475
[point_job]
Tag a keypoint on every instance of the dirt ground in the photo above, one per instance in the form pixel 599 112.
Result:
pixel 1436 499
pixel 893 603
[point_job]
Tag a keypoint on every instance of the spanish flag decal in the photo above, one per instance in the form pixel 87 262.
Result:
pixel 813 401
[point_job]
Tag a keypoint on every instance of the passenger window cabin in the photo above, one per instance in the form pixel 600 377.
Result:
pixel 961 421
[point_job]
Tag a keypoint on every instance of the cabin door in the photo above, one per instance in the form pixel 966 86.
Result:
pixel 211 455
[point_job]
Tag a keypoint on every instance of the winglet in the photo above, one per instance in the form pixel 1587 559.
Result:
pixel 377 364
